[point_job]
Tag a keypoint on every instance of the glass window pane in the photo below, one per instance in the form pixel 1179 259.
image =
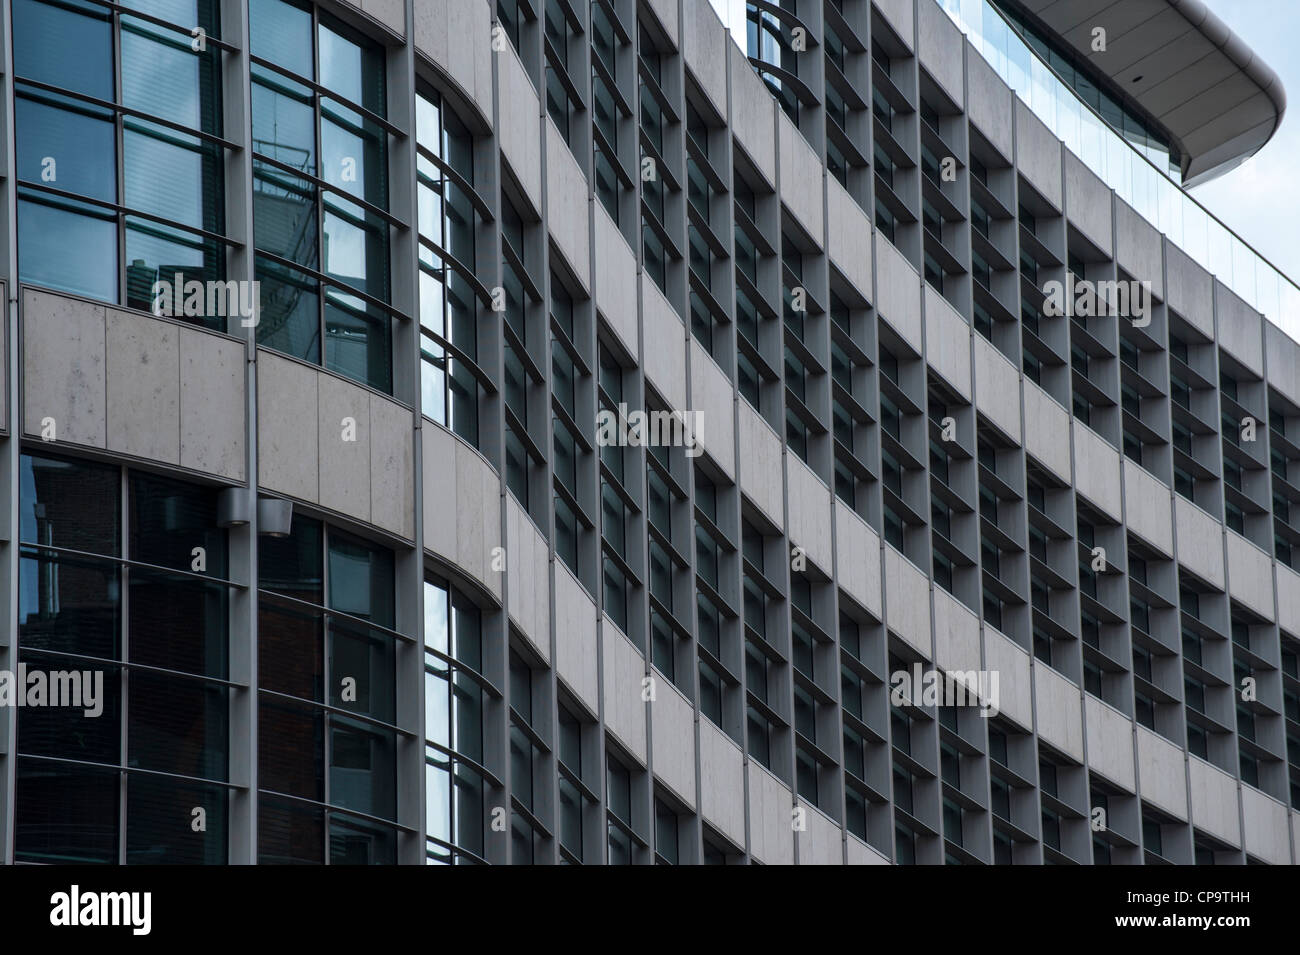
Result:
pixel 69 147
pixel 164 77
pixel 284 216
pixel 65 814
pixel 69 46
pixel 284 122
pixel 177 726
pixel 69 247
pixel 363 768
pixel 281 34
pixel 153 835
pixel 358 340
pixel 361 579
pixel 290 319
pixel 70 605
pixel 352 71
pixel 69 732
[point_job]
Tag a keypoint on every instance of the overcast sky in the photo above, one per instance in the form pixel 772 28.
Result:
pixel 1260 199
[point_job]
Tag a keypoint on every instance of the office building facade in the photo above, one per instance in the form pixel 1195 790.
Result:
pixel 543 431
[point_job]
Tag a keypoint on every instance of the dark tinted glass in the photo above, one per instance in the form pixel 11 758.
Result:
pixel 293 565
pixel 70 504
pixel 159 823
pixel 169 520
pixel 177 726
pixel 65 814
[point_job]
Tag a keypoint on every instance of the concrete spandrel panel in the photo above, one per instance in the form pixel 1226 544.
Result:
pixel 457 36
pixel 478 517
pixel 1198 541
pixel 753 115
pixel 1058 705
pixel 898 14
pixel 1265 833
pixel 1097 470
pixel 898 293
pixel 722 782
pixel 1038 155
pixel 392 494
pixel 1288 598
pixel 623 686
pixel 1162 774
pixel 1139 248
pixel 857 558
pixel 1015 683
pixel 907 602
pixel 714 400
pixel 616 281
pixel 1214 801
pixel 462 506
pixel 771 818
pixel 1241 328
pixel 947 342
pixel 528 579
pixel 440 488
pixel 939 46
pixel 848 237
pixel 956 635
pixel 64 392
pixel 567 208
pixel 576 638
pixel 1283 362
pixel 991 102
pixel 997 388
pixel 760 458
pixel 142 357
pixel 665 345
pixel 809 504
pixel 288 427
pixel 1110 742
pixel 1250 577
pixel 344 446
pixel 1047 430
pixel 859 853
pixel 521 123
pixel 821 842
pixel 1191 289
pixel 704 45
pixel 1087 203
pixel 665 12
pixel 672 735
pixel 1148 507
pixel 212 370
pixel 801 177
pixel 391 13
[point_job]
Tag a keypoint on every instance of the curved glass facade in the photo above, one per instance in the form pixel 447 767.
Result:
pixel 120 171
pixel 320 191
pixel 107 579
pixel 1064 63
pixel 450 212
pixel 1142 184
pixel 493 632
pixel 327 699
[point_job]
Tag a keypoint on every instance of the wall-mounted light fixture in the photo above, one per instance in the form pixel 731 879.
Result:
pixel 274 516
pixel 234 508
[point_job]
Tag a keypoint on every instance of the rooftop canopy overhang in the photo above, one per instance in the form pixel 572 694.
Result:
pixel 1179 64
